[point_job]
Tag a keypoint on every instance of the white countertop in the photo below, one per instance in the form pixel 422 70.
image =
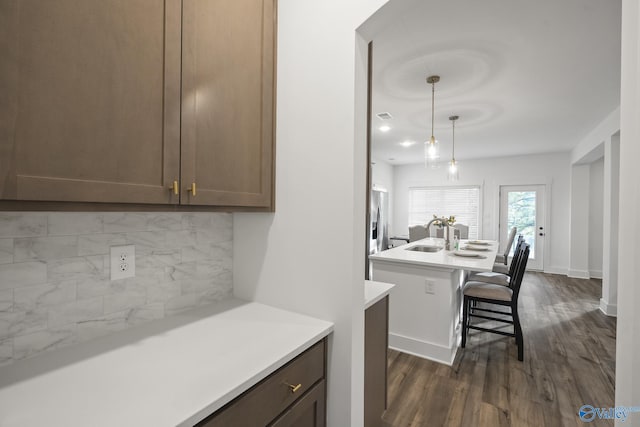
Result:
pixel 375 291
pixel 166 373
pixel 442 258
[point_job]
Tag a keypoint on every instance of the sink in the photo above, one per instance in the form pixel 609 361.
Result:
pixel 425 248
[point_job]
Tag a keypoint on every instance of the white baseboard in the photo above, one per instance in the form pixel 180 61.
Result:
pixel 608 309
pixel 556 270
pixel 424 349
pixel 595 274
pixel 578 274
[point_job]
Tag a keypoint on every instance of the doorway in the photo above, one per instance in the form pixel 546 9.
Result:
pixel 522 206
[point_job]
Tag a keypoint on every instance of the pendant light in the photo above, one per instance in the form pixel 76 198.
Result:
pixel 453 164
pixel 431 149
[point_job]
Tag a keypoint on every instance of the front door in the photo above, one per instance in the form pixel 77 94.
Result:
pixel 522 207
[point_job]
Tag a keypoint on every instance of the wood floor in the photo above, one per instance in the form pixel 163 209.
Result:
pixel 569 361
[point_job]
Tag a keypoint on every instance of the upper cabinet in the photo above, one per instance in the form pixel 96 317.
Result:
pixel 114 101
pixel 228 83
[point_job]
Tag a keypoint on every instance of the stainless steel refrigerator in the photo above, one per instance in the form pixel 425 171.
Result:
pixel 379 221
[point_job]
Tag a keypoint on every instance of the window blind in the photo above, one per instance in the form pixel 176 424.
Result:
pixel 462 202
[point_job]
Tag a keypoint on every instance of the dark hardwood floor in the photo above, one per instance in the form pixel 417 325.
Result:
pixel 569 361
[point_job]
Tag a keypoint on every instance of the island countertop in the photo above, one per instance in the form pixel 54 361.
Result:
pixel 167 373
pixel 442 258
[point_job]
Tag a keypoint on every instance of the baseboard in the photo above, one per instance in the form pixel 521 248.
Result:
pixel 423 349
pixel 608 309
pixel 595 274
pixel 556 270
pixel 578 274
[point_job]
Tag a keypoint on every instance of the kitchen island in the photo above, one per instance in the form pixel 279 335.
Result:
pixel 424 319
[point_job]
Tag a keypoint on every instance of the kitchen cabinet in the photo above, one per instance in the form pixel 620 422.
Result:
pixel 294 395
pixel 376 342
pixel 117 100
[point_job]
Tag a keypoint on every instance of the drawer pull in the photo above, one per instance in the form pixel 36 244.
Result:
pixel 293 388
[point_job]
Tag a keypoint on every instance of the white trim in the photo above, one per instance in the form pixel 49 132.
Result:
pixel 595 274
pixel 578 274
pixel 608 309
pixel 424 349
pixel 556 270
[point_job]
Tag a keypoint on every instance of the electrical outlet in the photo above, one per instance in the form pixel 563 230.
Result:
pixel 429 287
pixel 123 262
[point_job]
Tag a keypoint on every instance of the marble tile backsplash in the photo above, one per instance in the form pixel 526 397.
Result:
pixel 55 288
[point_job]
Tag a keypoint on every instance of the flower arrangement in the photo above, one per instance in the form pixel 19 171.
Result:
pixel 450 221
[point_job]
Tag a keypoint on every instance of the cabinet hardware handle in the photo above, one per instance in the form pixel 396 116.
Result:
pixel 192 189
pixel 174 187
pixel 293 388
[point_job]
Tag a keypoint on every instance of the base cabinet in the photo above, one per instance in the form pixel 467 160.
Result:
pixel 294 395
pixel 376 342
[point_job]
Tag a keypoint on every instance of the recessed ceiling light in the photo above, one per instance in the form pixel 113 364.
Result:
pixel 407 143
pixel 385 128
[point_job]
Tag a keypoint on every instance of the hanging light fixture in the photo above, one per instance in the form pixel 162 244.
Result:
pixel 431 151
pixel 453 164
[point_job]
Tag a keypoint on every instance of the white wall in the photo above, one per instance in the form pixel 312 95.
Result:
pixel 550 169
pixel 628 334
pixel 596 211
pixel 309 255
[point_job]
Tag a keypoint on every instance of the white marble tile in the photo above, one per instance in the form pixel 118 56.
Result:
pixel 21 322
pixel 161 292
pixel 179 304
pixel 196 253
pixel 44 248
pixel 164 221
pixel 145 314
pixel 32 344
pixel 101 326
pixel 6 301
pixel 118 222
pixel 213 295
pixel 124 295
pixel 182 271
pixel 6 251
pixel 197 219
pixel 22 224
pixel 74 223
pixel 90 288
pixel 6 351
pixel 76 311
pixel 42 296
pixel 77 268
pixel 22 274
pixel 180 238
pixel 99 244
pixel 147 241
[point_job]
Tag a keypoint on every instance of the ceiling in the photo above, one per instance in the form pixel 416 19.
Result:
pixel 524 76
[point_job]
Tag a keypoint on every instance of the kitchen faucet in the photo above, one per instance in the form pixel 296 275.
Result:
pixel 444 222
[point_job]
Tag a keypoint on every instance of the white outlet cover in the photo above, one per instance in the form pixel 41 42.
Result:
pixel 123 262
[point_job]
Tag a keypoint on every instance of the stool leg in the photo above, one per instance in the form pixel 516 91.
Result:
pixel 465 320
pixel 518 332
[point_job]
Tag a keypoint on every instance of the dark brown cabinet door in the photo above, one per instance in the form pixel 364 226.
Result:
pixel 308 411
pixel 90 105
pixel 228 102
pixel 376 342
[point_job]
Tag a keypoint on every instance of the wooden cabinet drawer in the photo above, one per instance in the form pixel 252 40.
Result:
pixel 265 401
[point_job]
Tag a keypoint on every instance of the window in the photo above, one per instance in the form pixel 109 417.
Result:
pixel 462 202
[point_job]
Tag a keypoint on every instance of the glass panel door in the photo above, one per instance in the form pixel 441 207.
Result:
pixel 523 207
